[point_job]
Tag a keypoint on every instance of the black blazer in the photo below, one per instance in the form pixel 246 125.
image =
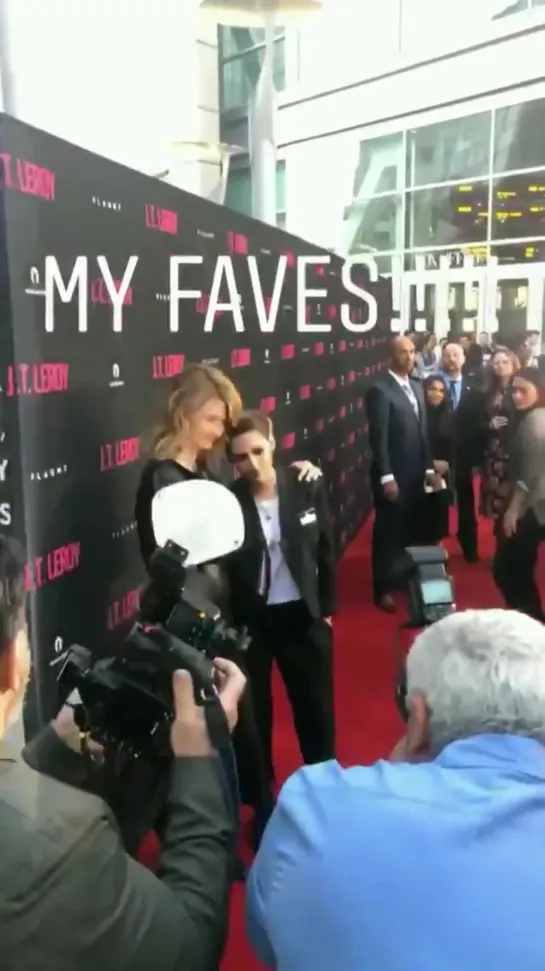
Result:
pixel 398 438
pixel 308 549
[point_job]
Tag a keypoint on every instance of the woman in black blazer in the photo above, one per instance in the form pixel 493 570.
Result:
pixel 188 443
pixel 440 415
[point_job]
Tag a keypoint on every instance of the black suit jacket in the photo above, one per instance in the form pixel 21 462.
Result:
pixel 61 848
pixel 308 549
pixel 397 436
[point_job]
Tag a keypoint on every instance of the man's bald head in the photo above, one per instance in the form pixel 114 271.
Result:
pixel 401 355
pixel 452 359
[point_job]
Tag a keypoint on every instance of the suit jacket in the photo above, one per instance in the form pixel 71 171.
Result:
pixel 70 897
pixel 308 549
pixel 470 425
pixel 398 438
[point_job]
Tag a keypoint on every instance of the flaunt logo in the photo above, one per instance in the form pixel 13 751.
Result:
pixel 21 175
pixel 101 294
pixel 22 379
pixel 54 565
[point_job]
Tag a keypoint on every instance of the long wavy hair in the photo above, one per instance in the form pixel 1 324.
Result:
pixel 190 391
pixel 491 382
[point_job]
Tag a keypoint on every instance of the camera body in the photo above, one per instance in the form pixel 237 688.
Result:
pixel 126 698
pixel 430 595
pixel 430 590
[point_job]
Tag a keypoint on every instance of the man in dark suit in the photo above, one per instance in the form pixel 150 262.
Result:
pixel 283 588
pixel 401 466
pixel 60 849
pixel 466 398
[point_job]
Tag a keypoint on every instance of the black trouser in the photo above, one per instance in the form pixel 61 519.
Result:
pixel 395 527
pixel 467 516
pixel 514 567
pixel 302 649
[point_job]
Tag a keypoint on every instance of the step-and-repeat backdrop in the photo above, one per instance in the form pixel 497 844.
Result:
pixel 81 385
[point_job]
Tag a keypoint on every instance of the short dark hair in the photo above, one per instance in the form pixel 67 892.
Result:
pixel 12 590
pixel 251 421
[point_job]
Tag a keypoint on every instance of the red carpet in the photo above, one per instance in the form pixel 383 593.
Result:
pixel 368 724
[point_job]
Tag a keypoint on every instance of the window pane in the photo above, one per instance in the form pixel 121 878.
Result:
pixel 241 74
pixel 236 40
pixel 443 25
pixel 448 215
pixel 450 151
pixel 238 194
pixel 519 141
pixel 518 206
pixel 281 186
pixel 380 166
pixel 372 224
pixel 520 252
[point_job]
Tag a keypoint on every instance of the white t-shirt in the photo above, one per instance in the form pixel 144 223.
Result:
pixel 283 588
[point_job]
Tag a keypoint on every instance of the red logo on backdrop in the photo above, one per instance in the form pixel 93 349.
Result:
pixel 54 565
pixel 167 366
pixel 331 384
pixel 341 346
pixel 305 392
pixel 359 402
pixel 319 270
pixel 351 377
pixel 320 425
pixel 162 220
pixel 287 352
pixel 267 405
pixel 288 441
pixel 319 348
pixel 359 344
pixel 202 307
pixel 290 259
pixel 366 426
pixel 342 411
pixel 241 357
pixel 237 244
pixel 99 293
pixel 366 372
pixel 122 610
pixel 23 176
pixel 36 379
pixel 331 455
pixel 350 438
pixel 342 477
pixel 115 455
pixel 332 312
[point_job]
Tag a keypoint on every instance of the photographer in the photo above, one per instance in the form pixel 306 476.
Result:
pixel 70 897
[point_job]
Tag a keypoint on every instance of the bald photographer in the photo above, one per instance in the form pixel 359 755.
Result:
pixel 70 896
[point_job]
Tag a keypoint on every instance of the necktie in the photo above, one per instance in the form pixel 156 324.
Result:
pixel 453 390
pixel 411 396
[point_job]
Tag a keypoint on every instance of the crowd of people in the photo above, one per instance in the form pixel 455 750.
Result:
pixel 443 421
pixel 442 840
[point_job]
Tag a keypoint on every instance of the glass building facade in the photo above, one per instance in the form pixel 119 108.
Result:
pixel 241 52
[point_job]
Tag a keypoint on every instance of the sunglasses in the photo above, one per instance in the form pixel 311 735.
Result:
pixel 244 456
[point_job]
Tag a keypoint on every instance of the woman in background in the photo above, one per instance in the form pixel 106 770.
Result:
pixel 426 357
pixel 524 519
pixel 500 419
pixel 190 435
pixel 440 415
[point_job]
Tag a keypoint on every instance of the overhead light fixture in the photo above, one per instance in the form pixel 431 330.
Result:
pixel 252 13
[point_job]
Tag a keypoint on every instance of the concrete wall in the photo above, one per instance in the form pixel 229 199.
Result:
pixel 121 78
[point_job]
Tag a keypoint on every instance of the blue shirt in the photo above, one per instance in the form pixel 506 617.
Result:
pixel 454 387
pixel 395 867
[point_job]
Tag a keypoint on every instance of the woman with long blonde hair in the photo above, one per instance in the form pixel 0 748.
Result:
pixel 202 404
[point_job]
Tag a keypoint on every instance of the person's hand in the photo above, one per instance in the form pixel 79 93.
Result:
pixel 399 752
pixel 189 732
pixel 510 521
pixel 328 621
pixel 441 467
pixel 66 730
pixel 435 481
pixel 500 421
pixel 391 490
pixel 307 471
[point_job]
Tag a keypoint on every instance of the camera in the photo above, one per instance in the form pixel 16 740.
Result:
pixel 430 597
pixel 125 699
pixel 430 591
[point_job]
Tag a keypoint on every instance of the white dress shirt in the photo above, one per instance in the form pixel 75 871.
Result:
pixel 282 586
